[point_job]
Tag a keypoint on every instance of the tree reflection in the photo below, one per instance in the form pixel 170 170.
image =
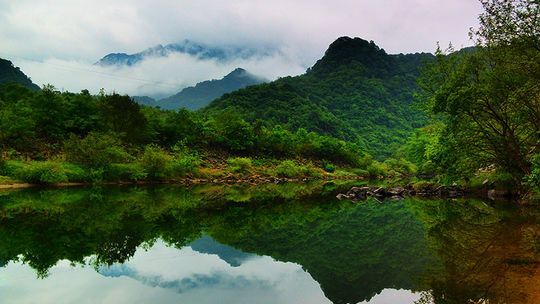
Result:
pixel 454 251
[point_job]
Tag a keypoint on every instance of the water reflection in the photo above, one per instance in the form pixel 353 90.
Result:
pixel 163 274
pixel 273 245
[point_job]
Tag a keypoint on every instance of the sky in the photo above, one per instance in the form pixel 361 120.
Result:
pixel 57 41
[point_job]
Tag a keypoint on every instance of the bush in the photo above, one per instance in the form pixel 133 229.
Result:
pixel 75 173
pixel 360 172
pixel 95 150
pixel 310 171
pixel 329 167
pixel 240 164
pixel 156 162
pixel 400 167
pixel 288 168
pixel 42 172
pixel 376 170
pixel 185 161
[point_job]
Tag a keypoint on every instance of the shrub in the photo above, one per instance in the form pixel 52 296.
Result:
pixel 96 150
pixel 240 164
pixel 376 169
pixel 75 173
pixel 360 172
pixel 400 167
pixel 156 162
pixel 5 179
pixel 329 167
pixel 288 168
pixel 42 172
pixel 310 171
pixel 185 161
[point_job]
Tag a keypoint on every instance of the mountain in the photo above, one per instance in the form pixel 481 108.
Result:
pixel 200 51
pixel 12 74
pixel 203 93
pixel 356 92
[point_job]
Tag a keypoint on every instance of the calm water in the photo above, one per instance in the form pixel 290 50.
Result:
pixel 264 244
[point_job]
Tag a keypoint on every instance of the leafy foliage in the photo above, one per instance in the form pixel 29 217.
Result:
pixel 489 98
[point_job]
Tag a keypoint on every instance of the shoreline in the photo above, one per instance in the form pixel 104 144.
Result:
pixel 353 194
pixel 229 180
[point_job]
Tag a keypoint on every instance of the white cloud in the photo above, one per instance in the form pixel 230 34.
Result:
pixel 78 33
pixel 157 77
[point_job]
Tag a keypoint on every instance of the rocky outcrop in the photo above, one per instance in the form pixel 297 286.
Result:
pixel 361 193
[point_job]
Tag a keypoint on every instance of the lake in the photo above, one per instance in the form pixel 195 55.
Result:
pixel 290 243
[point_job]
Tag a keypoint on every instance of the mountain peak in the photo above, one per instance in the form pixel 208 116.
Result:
pixel 238 72
pixel 345 50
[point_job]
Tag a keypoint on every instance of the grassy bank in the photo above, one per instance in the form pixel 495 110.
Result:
pixel 157 166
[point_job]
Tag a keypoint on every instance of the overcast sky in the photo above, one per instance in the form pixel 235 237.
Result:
pixel 57 41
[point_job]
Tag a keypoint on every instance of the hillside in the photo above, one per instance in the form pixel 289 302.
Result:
pixel 203 93
pixel 10 73
pixel 356 92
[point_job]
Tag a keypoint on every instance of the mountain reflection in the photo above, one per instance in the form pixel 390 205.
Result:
pixel 249 240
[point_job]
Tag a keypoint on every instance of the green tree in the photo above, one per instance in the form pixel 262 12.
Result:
pixel 489 97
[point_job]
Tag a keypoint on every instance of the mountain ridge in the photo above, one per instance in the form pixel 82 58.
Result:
pixel 188 47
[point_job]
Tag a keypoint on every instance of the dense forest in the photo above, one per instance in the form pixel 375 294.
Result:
pixel 49 136
pixel 459 116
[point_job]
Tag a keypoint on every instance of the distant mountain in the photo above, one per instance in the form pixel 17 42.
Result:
pixel 203 93
pixel 12 74
pixel 200 51
pixel 356 92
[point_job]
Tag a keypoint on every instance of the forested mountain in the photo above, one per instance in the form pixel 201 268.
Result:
pixel 356 92
pixel 188 47
pixel 203 93
pixel 10 73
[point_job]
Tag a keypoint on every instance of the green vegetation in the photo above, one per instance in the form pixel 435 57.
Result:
pixel 352 113
pixel 485 101
pixel 49 137
pixel 356 92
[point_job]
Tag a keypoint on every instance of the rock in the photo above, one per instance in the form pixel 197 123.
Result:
pixel 494 194
pixel 454 193
pixel 398 191
pixel 379 192
pixel 341 196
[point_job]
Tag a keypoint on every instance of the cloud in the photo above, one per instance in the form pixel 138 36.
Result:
pixel 156 77
pixel 78 33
